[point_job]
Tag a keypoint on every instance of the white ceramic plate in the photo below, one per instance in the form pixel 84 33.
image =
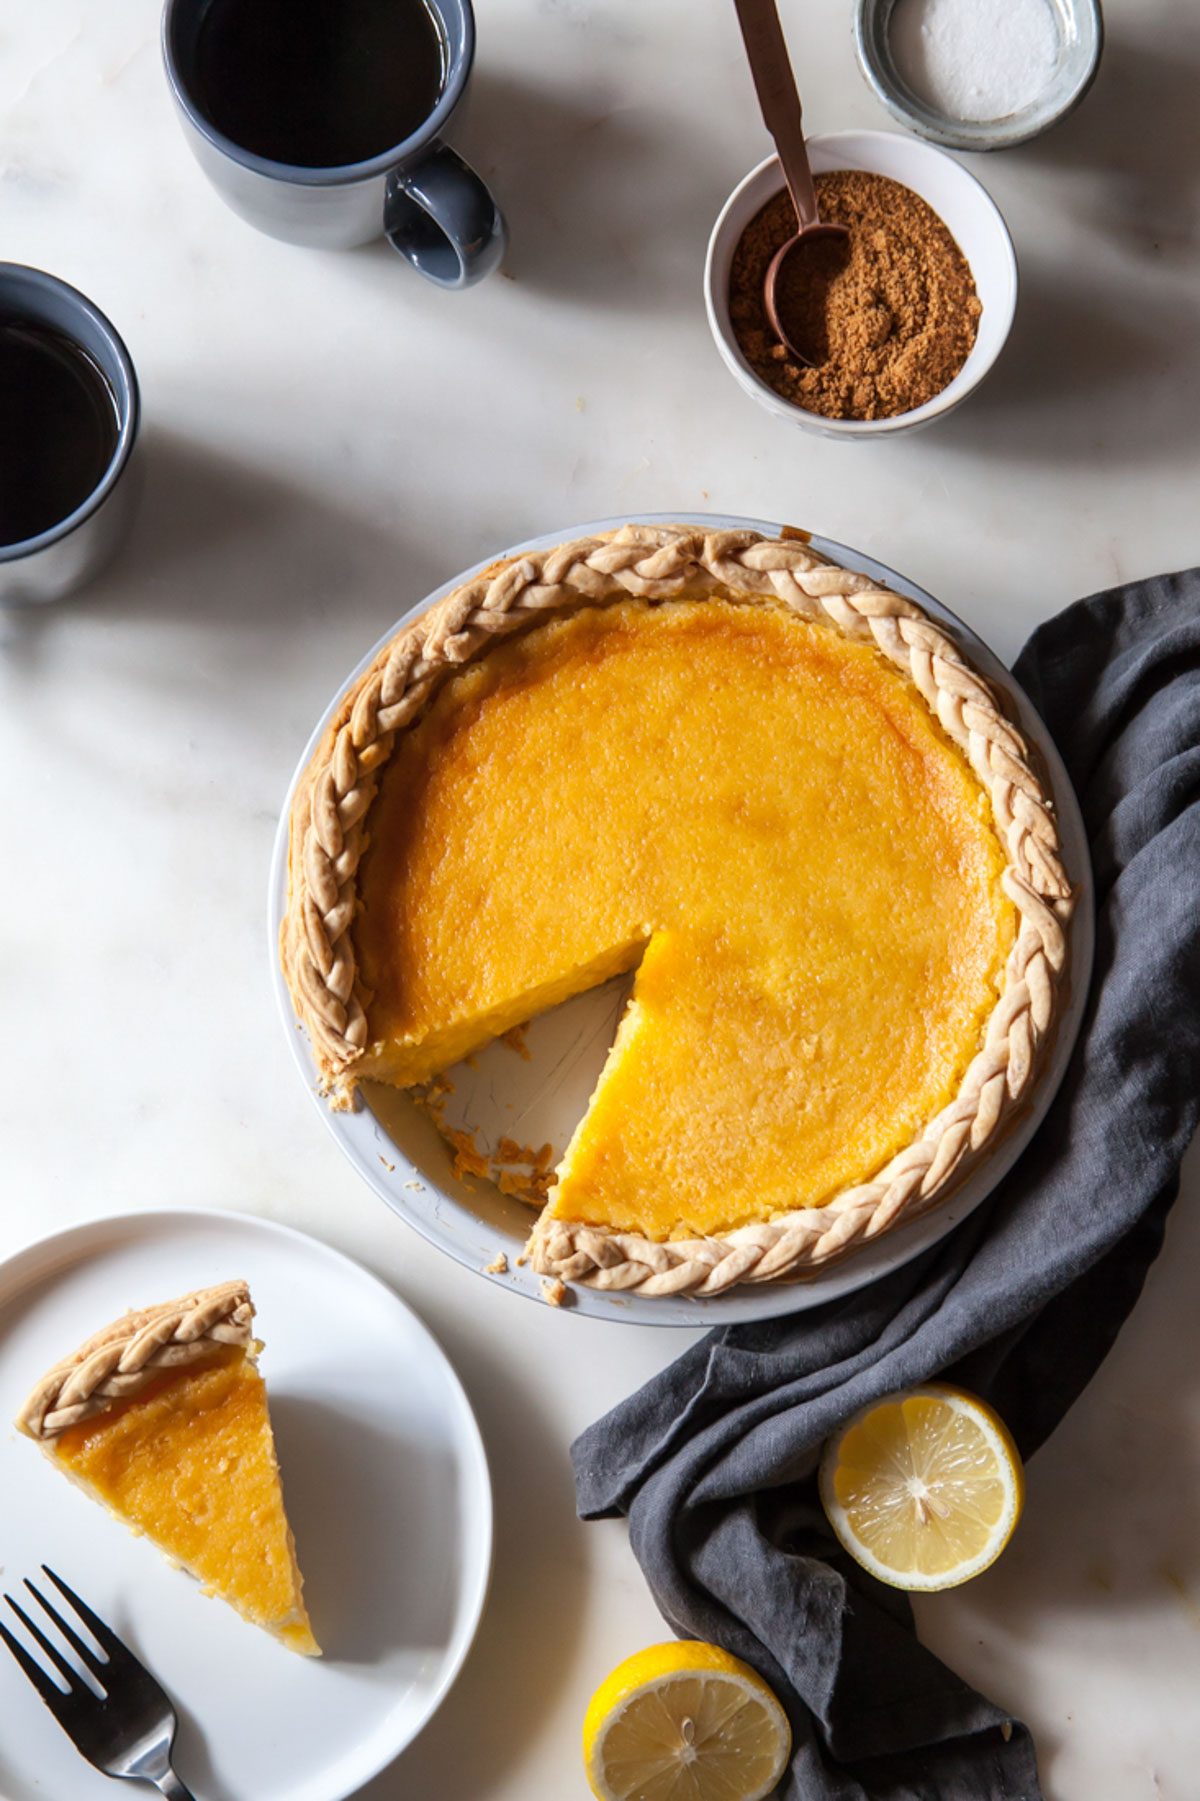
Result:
pixel 400 1154
pixel 387 1490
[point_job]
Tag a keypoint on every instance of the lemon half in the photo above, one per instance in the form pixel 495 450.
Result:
pixel 923 1488
pixel 684 1722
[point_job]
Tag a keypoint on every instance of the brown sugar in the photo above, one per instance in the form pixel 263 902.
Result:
pixel 889 317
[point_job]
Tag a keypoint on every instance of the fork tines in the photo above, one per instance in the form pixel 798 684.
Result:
pixel 51 1694
pixel 128 1727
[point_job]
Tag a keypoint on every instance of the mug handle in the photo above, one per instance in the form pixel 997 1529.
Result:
pixel 440 215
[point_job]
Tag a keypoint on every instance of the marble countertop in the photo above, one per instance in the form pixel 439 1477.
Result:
pixel 326 439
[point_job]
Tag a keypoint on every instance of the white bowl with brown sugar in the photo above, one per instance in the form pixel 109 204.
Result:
pixel 975 225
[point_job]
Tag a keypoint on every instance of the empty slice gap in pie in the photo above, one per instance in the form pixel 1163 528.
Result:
pixel 162 1417
pixel 777 792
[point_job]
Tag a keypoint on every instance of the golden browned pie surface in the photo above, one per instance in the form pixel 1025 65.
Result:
pixel 185 1455
pixel 777 791
pixel 766 820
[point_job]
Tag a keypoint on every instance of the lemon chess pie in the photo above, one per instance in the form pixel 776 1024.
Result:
pixel 162 1417
pixel 778 792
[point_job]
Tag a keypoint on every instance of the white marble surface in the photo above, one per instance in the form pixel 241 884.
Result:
pixel 326 437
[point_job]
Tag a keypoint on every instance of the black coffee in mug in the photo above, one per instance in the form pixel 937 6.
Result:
pixel 58 428
pixel 318 84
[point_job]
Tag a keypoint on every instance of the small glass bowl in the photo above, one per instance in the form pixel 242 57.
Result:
pixel 1080 28
pixel 969 213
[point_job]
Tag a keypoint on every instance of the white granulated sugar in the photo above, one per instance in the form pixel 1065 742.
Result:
pixel 975 59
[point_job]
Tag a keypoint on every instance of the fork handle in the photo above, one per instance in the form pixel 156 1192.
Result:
pixel 171 1787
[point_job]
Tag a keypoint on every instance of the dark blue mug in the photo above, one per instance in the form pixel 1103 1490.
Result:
pixel 419 193
pixel 66 551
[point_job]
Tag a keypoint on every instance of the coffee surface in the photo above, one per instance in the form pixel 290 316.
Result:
pixel 58 428
pixel 318 83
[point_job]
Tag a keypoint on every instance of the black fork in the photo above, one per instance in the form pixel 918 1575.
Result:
pixel 129 1728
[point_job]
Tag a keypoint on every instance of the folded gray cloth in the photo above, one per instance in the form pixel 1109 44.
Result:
pixel 714 1460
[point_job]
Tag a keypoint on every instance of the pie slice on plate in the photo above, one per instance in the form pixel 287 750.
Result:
pixel 162 1416
pixel 778 792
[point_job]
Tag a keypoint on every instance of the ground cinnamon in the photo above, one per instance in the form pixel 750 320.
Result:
pixel 890 316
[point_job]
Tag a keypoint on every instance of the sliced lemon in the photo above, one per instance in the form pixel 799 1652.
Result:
pixel 923 1488
pixel 684 1722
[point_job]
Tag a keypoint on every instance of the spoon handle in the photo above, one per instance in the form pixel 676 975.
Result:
pixel 779 99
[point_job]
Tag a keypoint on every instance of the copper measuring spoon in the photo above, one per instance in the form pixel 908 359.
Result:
pixel 779 100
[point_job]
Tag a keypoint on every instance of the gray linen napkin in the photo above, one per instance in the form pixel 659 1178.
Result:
pixel 714 1460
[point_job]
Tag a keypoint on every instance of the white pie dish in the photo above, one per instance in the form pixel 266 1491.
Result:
pixel 399 1152
pixel 973 219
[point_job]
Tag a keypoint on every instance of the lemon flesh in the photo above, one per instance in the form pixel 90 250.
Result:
pixel 923 1488
pixel 684 1722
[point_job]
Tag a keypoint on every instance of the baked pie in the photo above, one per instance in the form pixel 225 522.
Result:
pixel 778 792
pixel 162 1416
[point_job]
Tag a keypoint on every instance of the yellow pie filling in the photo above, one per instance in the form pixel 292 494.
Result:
pixel 190 1461
pixel 759 814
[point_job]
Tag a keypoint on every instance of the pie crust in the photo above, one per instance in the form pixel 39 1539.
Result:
pixel 664 564
pixel 118 1361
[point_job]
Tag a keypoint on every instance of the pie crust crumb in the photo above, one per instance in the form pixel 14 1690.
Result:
pixel 514 1038
pixel 555 1292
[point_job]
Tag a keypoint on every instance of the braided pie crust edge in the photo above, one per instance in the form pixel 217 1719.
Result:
pixel 126 1356
pixel 664 564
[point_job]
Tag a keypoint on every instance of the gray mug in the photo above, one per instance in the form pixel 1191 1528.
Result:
pixel 69 552
pixel 419 194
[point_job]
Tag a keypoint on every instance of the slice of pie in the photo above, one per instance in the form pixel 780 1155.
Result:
pixel 162 1417
pixel 778 792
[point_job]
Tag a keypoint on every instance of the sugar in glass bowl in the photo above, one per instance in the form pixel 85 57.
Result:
pixel 968 211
